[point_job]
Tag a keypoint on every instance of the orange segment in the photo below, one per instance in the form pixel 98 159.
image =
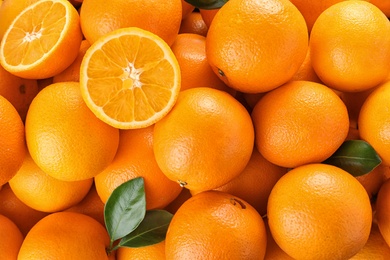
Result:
pixel 130 78
pixel 42 40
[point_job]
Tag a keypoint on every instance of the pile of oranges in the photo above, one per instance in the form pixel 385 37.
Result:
pixel 228 114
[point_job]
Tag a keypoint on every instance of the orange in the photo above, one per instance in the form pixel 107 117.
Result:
pixel 99 17
pixel 374 120
pixel 66 235
pixel 9 9
pixel 155 252
pixel 12 141
pixel 298 123
pixel 319 211
pixel 350 46
pixel 64 137
pixel 306 71
pixel 91 205
pixel 130 78
pixel 34 46
pixel 375 248
pixel 187 8
pixel 273 251
pixel 135 158
pixel 11 239
pixel 190 52
pixel 312 9
pixel 216 225
pixel 255 182
pixel 205 141
pixel 21 214
pixel 372 181
pixel 256 46
pixel 42 192
pixel 208 15
pixel 193 23
pixel 20 92
pixel 184 195
pixel 72 73
pixel 383 5
pixel 383 210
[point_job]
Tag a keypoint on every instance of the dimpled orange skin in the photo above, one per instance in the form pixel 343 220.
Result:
pixel 216 225
pixel 350 46
pixel 319 211
pixel 255 46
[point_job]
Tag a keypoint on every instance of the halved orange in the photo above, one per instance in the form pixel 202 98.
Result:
pixel 130 78
pixel 42 40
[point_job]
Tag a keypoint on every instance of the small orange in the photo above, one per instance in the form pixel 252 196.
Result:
pixel 130 78
pixel 382 207
pixel 135 158
pixel 98 17
pixel 14 209
pixel 193 23
pixel 350 46
pixel 12 141
pixel 11 239
pixel 42 192
pixel 216 225
pixel 298 123
pixel 20 92
pixel 66 235
pixel 64 138
pixel 190 52
pixel 205 141
pixel 372 181
pixel 155 252
pixel 374 121
pixel 208 15
pixel 72 73
pixel 36 47
pixel 257 45
pixel 319 211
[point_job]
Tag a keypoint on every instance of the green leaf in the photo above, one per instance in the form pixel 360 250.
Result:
pixel 356 157
pixel 152 230
pixel 207 4
pixel 125 208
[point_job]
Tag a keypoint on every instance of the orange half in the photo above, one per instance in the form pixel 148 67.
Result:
pixel 130 78
pixel 42 41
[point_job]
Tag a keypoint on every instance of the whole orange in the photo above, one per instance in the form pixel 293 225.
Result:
pixel 97 17
pixel 12 141
pixel 65 139
pixel 205 141
pixel 193 23
pixel 216 225
pixel 319 211
pixel 135 158
pixel 374 121
pixel 298 123
pixel 66 235
pixel 350 46
pixel 11 238
pixel 257 45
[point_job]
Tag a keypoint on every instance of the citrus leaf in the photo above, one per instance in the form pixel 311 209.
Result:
pixel 125 208
pixel 152 230
pixel 207 4
pixel 356 157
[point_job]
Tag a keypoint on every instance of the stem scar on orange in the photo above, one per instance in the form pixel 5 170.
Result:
pixel 130 78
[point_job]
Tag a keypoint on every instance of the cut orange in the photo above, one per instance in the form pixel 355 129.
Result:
pixel 130 78
pixel 42 41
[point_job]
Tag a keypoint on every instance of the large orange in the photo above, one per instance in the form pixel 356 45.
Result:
pixel 298 123
pixel 319 211
pixel 374 121
pixel 205 141
pixel 99 17
pixel 66 235
pixel 350 46
pixel 12 141
pixel 11 238
pixel 190 52
pixel 34 46
pixel 155 252
pixel 64 138
pixel 255 46
pixel 135 158
pixel 216 225
pixel 43 192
